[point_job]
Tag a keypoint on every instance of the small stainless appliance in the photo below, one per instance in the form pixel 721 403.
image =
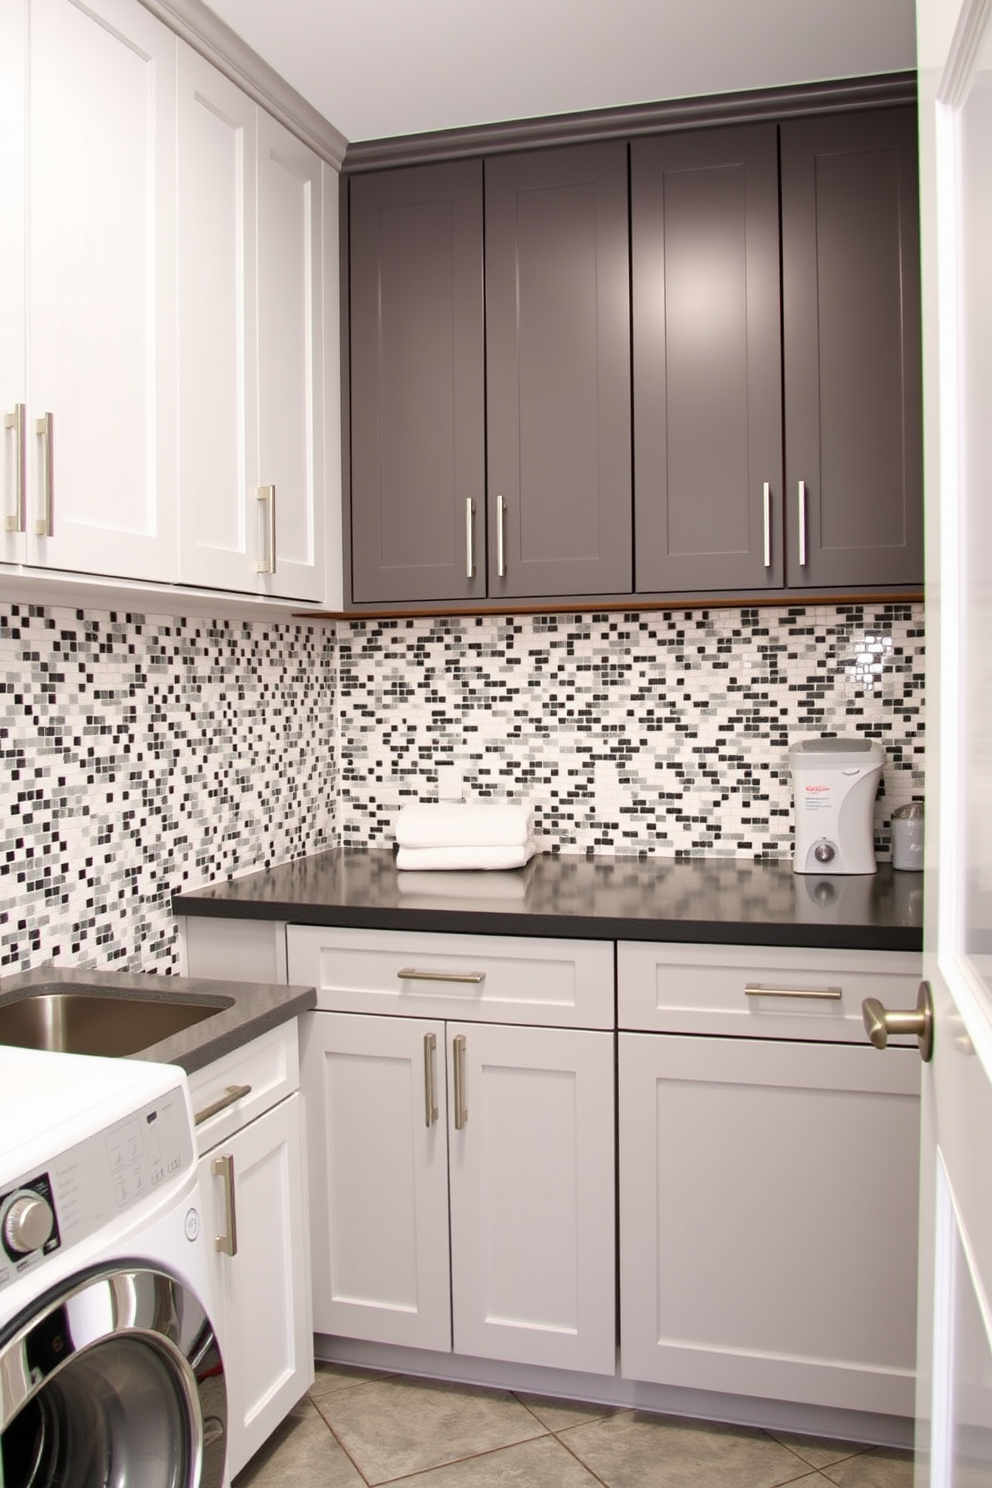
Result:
pixel 834 783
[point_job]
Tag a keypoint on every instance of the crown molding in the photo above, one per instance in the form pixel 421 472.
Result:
pixel 207 34
pixel 705 111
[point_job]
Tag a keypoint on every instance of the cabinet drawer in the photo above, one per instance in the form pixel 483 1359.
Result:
pixel 269 1065
pixel 765 992
pixel 490 978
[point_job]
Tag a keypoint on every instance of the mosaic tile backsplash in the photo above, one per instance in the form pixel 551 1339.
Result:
pixel 144 753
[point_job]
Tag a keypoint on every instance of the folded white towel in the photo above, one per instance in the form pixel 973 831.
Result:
pixel 463 824
pixel 487 857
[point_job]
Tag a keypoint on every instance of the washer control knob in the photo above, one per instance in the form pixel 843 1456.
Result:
pixel 824 852
pixel 28 1223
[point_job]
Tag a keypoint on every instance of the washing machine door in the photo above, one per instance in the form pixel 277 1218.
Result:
pixel 113 1380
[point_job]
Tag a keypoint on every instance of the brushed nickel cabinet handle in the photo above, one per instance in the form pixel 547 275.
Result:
pixel 500 537
pixel 416 974
pixel 881 1022
pixel 802 524
pixel 755 989
pixel 223 1167
pixel 44 428
pixel 766 498
pixel 458 1057
pixel 17 521
pixel 232 1094
pixel 469 538
pixel 267 544
pixel 430 1099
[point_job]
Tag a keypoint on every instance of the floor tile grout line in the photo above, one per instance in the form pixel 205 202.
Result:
pixel 421 1472
pixel 848 1457
pixel 336 1438
pixel 592 1473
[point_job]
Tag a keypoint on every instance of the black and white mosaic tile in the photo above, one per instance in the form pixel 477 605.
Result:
pixel 652 733
pixel 145 753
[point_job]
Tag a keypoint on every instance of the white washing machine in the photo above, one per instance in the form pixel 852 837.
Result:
pixel 110 1373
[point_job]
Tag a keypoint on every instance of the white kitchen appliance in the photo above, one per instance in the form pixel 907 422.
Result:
pixel 109 1368
pixel 834 783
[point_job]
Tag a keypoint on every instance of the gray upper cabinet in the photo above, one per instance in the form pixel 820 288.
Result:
pixel 558 372
pixel 707 361
pixel 851 313
pixel 417 385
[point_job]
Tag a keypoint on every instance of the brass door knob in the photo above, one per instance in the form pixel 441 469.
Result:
pixel 880 1022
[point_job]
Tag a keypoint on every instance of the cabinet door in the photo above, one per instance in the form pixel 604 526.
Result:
pixel 218 393
pixel 766 1248
pixel 532 1195
pixel 707 360
pixel 265 1325
pixel 558 372
pixel 290 454
pixel 102 289
pixel 851 292
pixel 417 395
pixel 379 1171
pixel 13 243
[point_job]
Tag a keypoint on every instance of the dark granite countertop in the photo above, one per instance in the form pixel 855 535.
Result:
pixel 705 900
pixel 244 1009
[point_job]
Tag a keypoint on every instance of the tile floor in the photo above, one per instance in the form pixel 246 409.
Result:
pixel 357 1429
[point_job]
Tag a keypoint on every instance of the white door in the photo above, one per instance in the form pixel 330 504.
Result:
pixel 954 1402
pixel 532 1195
pixel 101 289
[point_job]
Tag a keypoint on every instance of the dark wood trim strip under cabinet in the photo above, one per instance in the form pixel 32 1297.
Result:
pixel 708 110
pixel 785 599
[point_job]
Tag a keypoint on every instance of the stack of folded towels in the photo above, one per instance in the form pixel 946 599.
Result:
pixel 446 834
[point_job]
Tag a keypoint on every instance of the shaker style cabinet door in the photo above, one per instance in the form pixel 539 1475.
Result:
pixel 851 312
pixel 558 372
pixel 707 361
pixel 98 386
pixel 418 516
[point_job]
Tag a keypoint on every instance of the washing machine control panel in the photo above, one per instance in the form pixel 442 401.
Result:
pixel 91 1185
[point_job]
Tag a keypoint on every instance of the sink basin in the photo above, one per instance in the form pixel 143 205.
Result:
pixel 91 1022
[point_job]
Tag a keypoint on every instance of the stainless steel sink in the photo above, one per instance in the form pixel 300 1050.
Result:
pixel 92 1022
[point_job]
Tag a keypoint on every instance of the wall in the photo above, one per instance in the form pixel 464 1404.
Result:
pixel 144 753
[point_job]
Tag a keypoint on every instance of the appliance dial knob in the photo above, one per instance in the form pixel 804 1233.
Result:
pixel 28 1223
pixel 824 852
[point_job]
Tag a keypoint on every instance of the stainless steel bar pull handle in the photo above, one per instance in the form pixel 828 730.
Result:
pixel 766 501
pixel 17 520
pixel 416 974
pixel 500 537
pixel 458 1058
pixel 232 1094
pixel 267 538
pixel 223 1167
pixel 917 1022
pixel 802 524
pixel 430 1099
pixel 755 989
pixel 45 525
pixel 469 538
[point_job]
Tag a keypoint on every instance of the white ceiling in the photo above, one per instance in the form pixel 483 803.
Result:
pixel 384 67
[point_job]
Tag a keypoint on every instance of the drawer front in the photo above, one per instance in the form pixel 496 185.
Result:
pixel 269 1065
pixel 488 978
pixel 760 992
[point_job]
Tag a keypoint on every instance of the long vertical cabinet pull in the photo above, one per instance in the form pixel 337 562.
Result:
pixel 802 524
pixel 469 538
pixel 223 1167
pixel 45 525
pixel 500 537
pixel 267 563
pixel 430 1098
pixel 766 498
pixel 458 1059
pixel 17 521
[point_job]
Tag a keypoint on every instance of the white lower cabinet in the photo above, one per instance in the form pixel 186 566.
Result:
pixel 253 1189
pixel 463 1171
pixel 768 1186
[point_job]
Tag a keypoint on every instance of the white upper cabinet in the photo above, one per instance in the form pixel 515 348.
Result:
pixel 88 392
pixel 251 466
